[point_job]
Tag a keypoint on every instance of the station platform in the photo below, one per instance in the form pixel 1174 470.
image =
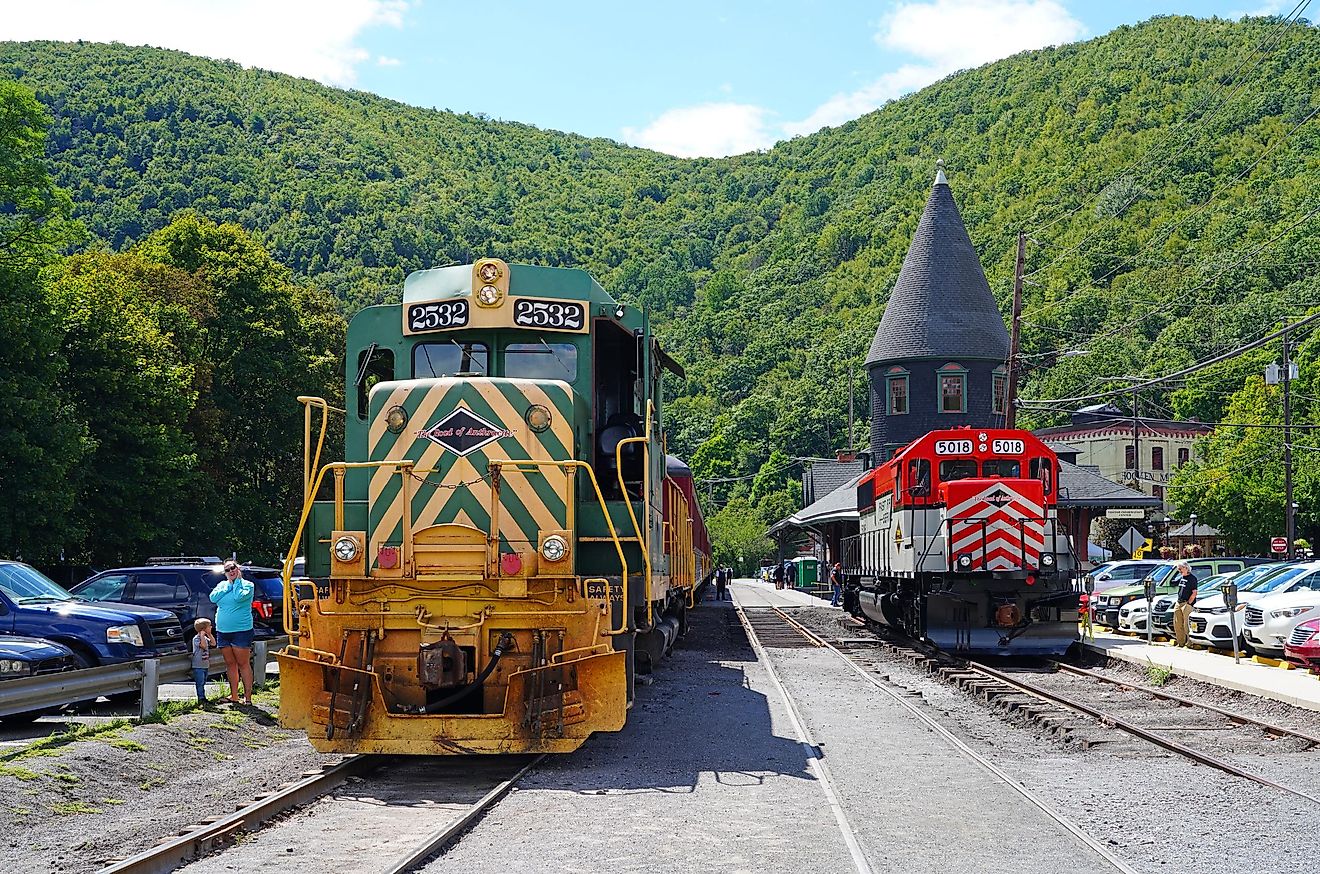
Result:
pixel 1297 687
pixel 757 593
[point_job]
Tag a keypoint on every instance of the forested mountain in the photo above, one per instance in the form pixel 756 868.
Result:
pixel 1166 173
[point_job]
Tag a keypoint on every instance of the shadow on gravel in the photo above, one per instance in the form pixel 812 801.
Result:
pixel 697 721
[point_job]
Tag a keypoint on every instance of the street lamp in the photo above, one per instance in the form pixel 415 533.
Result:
pixel 1193 519
pixel 1167 523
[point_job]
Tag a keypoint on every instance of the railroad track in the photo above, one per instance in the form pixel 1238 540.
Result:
pixel 406 809
pixel 781 631
pixel 1058 712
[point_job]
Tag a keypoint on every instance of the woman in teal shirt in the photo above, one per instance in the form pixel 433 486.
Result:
pixel 232 597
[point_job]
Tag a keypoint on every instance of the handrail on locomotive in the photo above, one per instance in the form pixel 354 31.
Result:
pixel 406 470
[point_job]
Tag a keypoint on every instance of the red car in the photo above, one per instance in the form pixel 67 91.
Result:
pixel 1303 645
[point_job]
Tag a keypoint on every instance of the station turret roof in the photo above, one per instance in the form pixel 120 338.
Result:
pixel 941 305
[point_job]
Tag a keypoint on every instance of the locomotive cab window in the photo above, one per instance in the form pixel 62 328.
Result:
pixel 374 365
pixel 1006 468
pixel 957 468
pixel 918 474
pixel 451 358
pixel 541 360
pixel 1043 470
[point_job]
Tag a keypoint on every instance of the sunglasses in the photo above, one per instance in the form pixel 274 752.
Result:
pixel 230 568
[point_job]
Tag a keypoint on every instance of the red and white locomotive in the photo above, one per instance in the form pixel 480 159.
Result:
pixel 960 544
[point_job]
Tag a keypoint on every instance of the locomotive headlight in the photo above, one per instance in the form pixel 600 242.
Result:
pixel 346 548
pixel 554 548
pixel 396 420
pixel 1046 559
pixel 538 418
pixel 489 295
pixel 964 561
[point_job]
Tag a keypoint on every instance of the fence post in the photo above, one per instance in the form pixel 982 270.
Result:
pixel 260 655
pixel 150 686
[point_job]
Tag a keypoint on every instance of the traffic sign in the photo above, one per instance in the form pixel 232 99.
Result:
pixel 1279 545
pixel 1132 540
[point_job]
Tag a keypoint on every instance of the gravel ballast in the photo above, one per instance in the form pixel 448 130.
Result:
pixel 1154 809
pixel 73 807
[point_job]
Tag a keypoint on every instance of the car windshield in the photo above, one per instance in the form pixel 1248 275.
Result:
pixel 1212 584
pixel 28 586
pixel 1160 574
pixel 1270 582
pixel 1251 574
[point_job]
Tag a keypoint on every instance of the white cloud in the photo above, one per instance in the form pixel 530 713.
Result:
pixel 942 36
pixel 311 38
pixel 386 61
pixel 946 36
pixel 709 130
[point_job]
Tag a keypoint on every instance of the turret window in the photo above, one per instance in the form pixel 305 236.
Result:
pixel 897 386
pixel 953 389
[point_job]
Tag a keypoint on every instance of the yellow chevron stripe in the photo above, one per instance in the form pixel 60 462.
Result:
pixel 396 399
pixel 429 457
pixel 534 448
pixel 403 442
pixel 561 427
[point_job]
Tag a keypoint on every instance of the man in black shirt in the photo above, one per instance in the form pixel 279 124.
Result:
pixel 1183 610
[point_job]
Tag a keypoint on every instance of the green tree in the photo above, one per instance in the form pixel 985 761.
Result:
pixel 133 380
pixel 737 537
pixel 42 440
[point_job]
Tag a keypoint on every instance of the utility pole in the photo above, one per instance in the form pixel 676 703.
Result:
pixel 1136 440
pixel 850 408
pixel 1010 408
pixel 1289 523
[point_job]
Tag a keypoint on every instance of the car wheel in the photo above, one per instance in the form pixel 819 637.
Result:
pixel 84 660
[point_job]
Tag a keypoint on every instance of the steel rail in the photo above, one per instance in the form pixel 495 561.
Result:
pixel 815 762
pixel 1242 718
pixel 192 844
pixel 935 726
pixel 436 840
pixel 1136 730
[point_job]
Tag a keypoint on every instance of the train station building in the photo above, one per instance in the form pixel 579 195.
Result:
pixel 939 359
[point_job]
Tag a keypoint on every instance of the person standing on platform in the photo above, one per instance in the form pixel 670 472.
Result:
pixel 779 575
pixel 1183 610
pixel 721 584
pixel 790 574
pixel 836 584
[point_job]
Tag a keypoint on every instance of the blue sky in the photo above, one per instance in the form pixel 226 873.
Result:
pixel 688 77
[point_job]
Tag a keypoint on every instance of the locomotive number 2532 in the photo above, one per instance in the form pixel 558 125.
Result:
pixel 554 314
pixel 437 316
pixel 953 447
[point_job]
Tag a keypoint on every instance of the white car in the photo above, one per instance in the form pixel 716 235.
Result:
pixel 1270 621
pixel 1210 624
pixel 1132 616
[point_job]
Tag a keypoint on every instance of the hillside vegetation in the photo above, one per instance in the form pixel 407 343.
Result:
pixel 1166 173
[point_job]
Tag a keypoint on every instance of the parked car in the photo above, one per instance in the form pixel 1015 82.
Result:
pixel 1210 623
pixel 1268 623
pixel 1132 616
pixel 1164 604
pixel 1112 574
pixel 1303 645
pixel 101 633
pixel 1164 575
pixel 183 584
pixel 22 656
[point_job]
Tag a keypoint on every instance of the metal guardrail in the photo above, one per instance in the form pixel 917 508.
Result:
pixel 50 691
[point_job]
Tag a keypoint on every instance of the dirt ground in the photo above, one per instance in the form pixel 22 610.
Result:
pixel 72 802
